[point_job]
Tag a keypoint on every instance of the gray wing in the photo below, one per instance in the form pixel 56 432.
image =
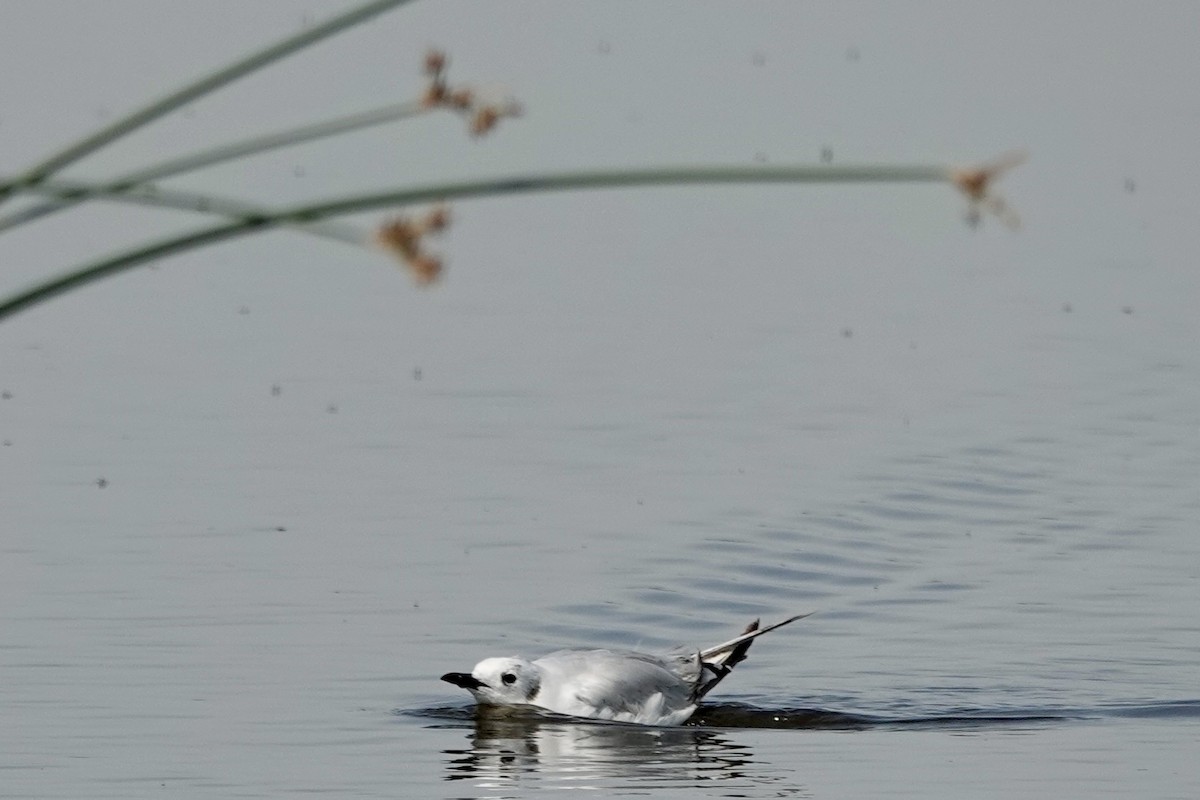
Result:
pixel 622 681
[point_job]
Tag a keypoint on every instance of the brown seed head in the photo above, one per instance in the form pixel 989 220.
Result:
pixel 972 182
pixel 437 220
pixel 399 236
pixel 486 117
pixel 484 120
pixel 976 184
pixel 435 95
pixel 425 268
pixel 435 63
pixel 402 237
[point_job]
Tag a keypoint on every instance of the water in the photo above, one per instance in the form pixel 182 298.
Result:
pixel 239 571
pixel 989 760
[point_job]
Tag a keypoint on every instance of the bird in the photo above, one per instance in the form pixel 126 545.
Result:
pixel 610 685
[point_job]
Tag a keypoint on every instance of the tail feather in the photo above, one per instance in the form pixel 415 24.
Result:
pixel 716 662
pixel 752 632
pixel 737 654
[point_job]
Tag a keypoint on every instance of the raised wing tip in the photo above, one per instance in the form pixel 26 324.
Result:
pixel 752 631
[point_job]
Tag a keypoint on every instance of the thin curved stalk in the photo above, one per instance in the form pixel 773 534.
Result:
pixel 203 86
pixel 613 179
pixel 514 185
pixel 67 195
pixel 149 195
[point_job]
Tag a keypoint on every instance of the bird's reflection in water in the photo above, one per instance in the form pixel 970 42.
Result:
pixel 509 748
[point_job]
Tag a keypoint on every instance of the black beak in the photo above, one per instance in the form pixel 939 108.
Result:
pixel 462 679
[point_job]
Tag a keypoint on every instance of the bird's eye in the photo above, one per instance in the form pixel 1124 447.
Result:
pixel 508 678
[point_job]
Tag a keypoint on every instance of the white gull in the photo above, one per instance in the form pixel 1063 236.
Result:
pixel 615 685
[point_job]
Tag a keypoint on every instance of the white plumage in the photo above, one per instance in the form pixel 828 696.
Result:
pixel 616 685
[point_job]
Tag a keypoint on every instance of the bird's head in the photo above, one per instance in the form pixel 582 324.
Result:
pixel 505 681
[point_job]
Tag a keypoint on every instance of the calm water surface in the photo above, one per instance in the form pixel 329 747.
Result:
pixel 240 570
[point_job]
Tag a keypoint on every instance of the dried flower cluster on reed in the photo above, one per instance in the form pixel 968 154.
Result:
pixel 977 184
pixel 482 116
pixel 404 237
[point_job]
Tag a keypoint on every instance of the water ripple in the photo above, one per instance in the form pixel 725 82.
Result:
pixel 736 715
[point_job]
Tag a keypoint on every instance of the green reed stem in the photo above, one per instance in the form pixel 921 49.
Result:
pixel 514 185
pixel 150 195
pixel 68 195
pixel 612 179
pixel 201 87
